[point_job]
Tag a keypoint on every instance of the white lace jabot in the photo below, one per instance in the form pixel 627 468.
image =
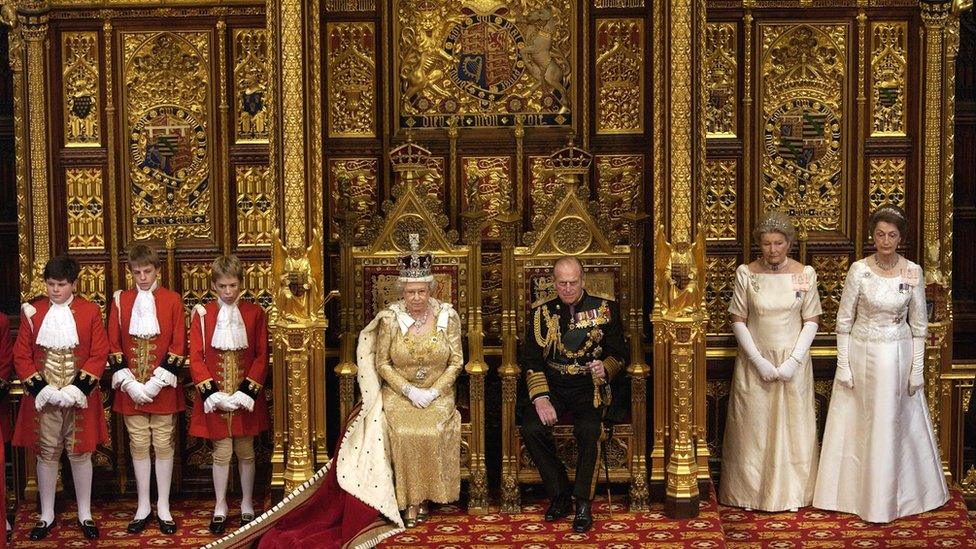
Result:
pixel 144 322
pixel 58 330
pixel 229 334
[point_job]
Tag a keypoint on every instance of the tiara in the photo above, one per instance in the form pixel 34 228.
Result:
pixel 892 210
pixel 772 224
pixel 416 266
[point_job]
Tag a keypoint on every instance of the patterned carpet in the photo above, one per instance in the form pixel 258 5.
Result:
pixel 948 526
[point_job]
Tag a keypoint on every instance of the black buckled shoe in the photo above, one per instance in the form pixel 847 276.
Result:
pixel 558 508
pixel 218 524
pixel 138 525
pixel 584 517
pixel 89 528
pixel 167 527
pixel 246 518
pixel 42 529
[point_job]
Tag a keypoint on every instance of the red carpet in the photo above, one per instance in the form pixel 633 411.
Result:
pixel 948 526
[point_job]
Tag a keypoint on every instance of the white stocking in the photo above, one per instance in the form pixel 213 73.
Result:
pixel 220 475
pixel 247 486
pixel 47 485
pixel 81 471
pixel 143 470
pixel 164 477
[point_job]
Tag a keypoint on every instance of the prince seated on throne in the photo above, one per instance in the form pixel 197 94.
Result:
pixel 573 349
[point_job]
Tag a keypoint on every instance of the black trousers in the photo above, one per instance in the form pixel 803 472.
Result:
pixel 575 395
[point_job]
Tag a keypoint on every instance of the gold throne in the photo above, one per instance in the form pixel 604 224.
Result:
pixel 373 275
pixel 612 270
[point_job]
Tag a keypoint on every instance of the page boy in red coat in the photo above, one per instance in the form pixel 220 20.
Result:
pixel 147 335
pixel 228 363
pixel 59 356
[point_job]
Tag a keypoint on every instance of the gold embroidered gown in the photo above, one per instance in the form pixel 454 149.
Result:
pixel 425 443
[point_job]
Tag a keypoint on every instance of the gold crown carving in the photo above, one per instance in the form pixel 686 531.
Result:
pixel 415 267
pixel 410 157
pixel 570 160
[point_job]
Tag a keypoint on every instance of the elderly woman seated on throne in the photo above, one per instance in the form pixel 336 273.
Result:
pixel 401 447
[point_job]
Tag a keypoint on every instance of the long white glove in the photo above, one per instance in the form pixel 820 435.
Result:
pixel 799 352
pixel 166 378
pixel 429 395
pixel 213 401
pixel 227 404
pixel 418 397
pixel 916 379
pixel 48 395
pixel 242 400
pixel 767 372
pixel 74 396
pixel 843 374
pixel 154 386
pixel 121 376
pixel 136 391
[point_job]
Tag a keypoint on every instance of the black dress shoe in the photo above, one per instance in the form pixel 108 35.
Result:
pixel 584 517
pixel 42 529
pixel 138 525
pixel 218 524
pixel 88 528
pixel 246 518
pixel 558 508
pixel 167 527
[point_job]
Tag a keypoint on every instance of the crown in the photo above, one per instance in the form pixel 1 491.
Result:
pixel 410 157
pixel 416 266
pixel 775 224
pixel 570 160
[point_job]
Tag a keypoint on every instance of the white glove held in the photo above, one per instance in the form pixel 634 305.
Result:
pixel 136 391
pixel 242 400
pixel 153 387
pixel 210 404
pixel 843 374
pixel 166 378
pixel 787 369
pixel 916 379
pixel 121 376
pixel 767 372
pixel 74 397
pixel 417 396
pixel 227 404
pixel 47 395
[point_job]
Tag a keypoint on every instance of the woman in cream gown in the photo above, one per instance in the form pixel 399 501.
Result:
pixel 769 456
pixel 880 459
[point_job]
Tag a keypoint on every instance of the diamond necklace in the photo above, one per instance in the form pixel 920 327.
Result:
pixel 885 266
pixel 769 266
pixel 419 323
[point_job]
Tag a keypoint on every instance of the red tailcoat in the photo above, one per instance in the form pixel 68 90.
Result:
pixel 92 354
pixel 208 374
pixel 169 349
pixel 6 372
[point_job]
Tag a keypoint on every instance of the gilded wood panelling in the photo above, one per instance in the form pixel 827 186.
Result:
pixel 350 5
pixel 351 84
pixel 719 286
pixel 258 284
pixel 889 83
pixel 92 285
pixel 721 69
pixel 86 209
pixel 718 200
pixel 619 76
pixel 491 294
pixel 620 4
pixel 803 72
pixel 195 283
pixel 167 110
pixel 256 210
pixel 887 182
pixel 490 177
pixel 251 85
pixel 352 184
pixel 831 272
pixel 542 187
pixel 619 178
pixel 79 80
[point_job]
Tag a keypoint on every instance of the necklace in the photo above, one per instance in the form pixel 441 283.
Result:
pixel 885 266
pixel 769 266
pixel 419 323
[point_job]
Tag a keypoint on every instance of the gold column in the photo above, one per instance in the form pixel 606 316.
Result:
pixel 678 316
pixel 508 219
pixel 638 369
pixel 298 320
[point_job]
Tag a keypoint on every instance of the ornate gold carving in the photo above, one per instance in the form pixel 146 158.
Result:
pixel 887 177
pixel 491 294
pixel 166 91
pixel 34 30
pixel 352 183
pixel 291 76
pixel 86 210
pixel 717 392
pixel 91 285
pixel 889 83
pixel 251 85
pixel 621 4
pixel 719 284
pixel 489 177
pixel 350 5
pixel 831 272
pixel 683 134
pixel 255 205
pixel 619 179
pixel 259 285
pixel 542 189
pixel 195 277
pixel 483 61
pixel 351 50
pixel 572 236
pixel 619 76
pixel 721 69
pixel 79 54
pixel 718 199
pixel 802 104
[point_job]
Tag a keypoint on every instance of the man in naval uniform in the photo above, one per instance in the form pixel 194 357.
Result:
pixel 573 349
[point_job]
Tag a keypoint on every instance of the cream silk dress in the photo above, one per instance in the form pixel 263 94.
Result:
pixel 769 454
pixel 880 460
pixel 425 443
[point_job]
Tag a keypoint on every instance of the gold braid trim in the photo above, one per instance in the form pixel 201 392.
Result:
pixel 612 366
pixel 549 343
pixel 536 384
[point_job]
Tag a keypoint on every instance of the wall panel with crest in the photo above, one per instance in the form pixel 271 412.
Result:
pixel 159 134
pixel 811 111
